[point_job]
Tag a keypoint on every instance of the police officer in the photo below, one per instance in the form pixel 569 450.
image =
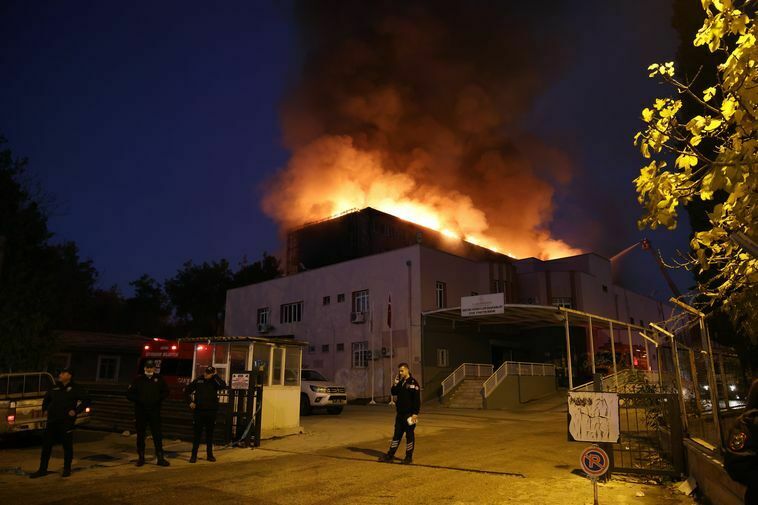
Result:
pixel 147 392
pixel 202 395
pixel 408 394
pixel 63 402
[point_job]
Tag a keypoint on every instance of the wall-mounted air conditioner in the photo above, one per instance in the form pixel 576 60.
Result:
pixel 357 317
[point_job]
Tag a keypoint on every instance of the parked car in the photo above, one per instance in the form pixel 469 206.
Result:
pixel 21 396
pixel 316 392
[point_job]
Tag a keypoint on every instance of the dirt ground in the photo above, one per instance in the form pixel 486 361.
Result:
pixel 462 457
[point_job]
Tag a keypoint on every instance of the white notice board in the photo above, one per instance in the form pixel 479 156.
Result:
pixel 482 305
pixel 593 417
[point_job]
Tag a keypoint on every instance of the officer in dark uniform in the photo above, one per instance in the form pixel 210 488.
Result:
pixel 147 392
pixel 63 402
pixel 202 395
pixel 408 393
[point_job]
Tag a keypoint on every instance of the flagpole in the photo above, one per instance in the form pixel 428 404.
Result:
pixel 389 322
pixel 373 358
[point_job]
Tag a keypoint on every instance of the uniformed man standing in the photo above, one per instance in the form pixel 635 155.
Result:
pixel 408 393
pixel 148 392
pixel 63 402
pixel 202 395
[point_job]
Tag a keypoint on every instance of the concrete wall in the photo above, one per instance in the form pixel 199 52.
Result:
pixel 712 479
pixel 516 390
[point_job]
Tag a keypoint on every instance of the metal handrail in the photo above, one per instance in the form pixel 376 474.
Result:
pixel 619 378
pixel 463 371
pixel 522 368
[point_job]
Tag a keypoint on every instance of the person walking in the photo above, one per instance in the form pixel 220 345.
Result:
pixel 147 392
pixel 62 403
pixel 408 393
pixel 202 395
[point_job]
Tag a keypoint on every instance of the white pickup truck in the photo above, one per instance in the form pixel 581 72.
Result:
pixel 317 392
pixel 21 396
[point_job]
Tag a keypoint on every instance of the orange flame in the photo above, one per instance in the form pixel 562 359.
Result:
pixel 331 176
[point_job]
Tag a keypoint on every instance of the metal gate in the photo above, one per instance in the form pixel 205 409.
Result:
pixel 651 435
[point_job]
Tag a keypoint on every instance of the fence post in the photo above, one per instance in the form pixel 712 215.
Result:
pixel 724 385
pixel 711 373
pixel 677 445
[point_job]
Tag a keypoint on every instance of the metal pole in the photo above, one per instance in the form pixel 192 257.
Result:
pixel 706 342
pixel 373 358
pixel 647 357
pixel 389 305
pixel 568 353
pixel 696 389
pixel 724 386
pixel 678 379
pixel 592 347
pixel 613 355
pixel 631 349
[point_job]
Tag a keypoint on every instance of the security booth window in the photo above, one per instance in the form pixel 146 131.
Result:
pixel 262 358
pixel 238 357
pixel 276 378
pixel 292 366
pixel 203 359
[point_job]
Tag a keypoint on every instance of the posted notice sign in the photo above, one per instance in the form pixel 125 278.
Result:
pixel 240 381
pixel 482 305
pixel 593 417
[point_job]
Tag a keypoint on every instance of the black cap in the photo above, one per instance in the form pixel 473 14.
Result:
pixel 149 364
pixel 210 369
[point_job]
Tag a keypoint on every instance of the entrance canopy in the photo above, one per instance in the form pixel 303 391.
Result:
pixel 609 338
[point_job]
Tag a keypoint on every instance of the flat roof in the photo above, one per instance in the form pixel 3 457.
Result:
pixel 245 338
pixel 531 316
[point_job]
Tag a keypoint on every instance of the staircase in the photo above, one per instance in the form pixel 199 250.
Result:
pixel 467 395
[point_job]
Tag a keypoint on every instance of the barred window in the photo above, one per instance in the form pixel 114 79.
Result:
pixel 291 312
pixel 360 354
pixel 264 314
pixel 360 301
pixel 440 292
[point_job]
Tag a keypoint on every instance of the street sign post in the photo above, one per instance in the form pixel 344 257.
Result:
pixel 595 463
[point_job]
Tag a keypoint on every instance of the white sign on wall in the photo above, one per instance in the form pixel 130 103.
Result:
pixel 593 417
pixel 482 305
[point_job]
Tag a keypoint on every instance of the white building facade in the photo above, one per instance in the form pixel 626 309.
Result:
pixel 341 310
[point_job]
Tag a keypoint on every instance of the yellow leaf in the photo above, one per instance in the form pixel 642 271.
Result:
pixel 647 114
pixel 695 140
pixel 712 124
pixel 686 161
pixel 728 107
pixel 708 93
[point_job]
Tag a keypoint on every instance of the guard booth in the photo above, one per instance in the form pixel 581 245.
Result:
pixel 277 362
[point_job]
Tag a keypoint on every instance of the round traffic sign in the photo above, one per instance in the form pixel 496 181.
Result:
pixel 594 461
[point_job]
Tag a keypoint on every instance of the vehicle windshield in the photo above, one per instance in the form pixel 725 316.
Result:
pixel 312 375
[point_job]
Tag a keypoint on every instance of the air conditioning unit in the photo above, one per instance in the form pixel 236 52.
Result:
pixel 374 354
pixel 357 317
pixel 263 328
pixel 386 352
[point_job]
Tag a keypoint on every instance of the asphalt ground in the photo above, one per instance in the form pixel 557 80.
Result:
pixel 461 457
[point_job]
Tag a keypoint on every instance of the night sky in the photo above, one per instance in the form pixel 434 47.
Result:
pixel 154 125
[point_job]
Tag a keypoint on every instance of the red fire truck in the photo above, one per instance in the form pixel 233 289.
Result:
pixel 172 360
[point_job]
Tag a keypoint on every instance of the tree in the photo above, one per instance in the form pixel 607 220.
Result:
pixel 148 311
pixel 43 286
pixel 713 150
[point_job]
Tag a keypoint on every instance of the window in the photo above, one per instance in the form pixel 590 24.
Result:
pixel 642 323
pixel 311 348
pixel 497 286
pixel 605 288
pixel 474 293
pixel 562 301
pixel 631 320
pixel 327 300
pixel 261 359
pixel 292 366
pixel 107 368
pixel 264 316
pixel 291 312
pixel 276 377
pixel 340 347
pixel 340 297
pixel 442 358
pixel 325 348
pixel 360 301
pixel 360 354
pixel 440 294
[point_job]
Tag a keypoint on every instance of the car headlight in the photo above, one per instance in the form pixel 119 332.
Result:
pixel 318 389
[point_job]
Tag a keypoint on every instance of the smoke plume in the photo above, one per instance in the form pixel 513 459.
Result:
pixel 417 109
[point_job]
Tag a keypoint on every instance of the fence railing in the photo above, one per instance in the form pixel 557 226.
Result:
pixel 24 384
pixel 463 371
pixel 516 368
pixel 623 381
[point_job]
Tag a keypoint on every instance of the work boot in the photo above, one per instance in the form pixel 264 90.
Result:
pixel 39 473
pixel 140 458
pixel 408 460
pixel 209 454
pixel 66 472
pixel 193 458
pixel 386 458
pixel 162 461
pixel 211 458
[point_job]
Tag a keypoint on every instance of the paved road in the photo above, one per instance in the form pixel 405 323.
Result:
pixel 462 457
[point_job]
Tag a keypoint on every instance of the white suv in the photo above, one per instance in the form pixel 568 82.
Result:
pixel 317 392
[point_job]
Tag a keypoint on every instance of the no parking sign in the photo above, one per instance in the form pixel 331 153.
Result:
pixel 595 462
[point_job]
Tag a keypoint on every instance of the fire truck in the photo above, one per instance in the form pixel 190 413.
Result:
pixel 173 360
